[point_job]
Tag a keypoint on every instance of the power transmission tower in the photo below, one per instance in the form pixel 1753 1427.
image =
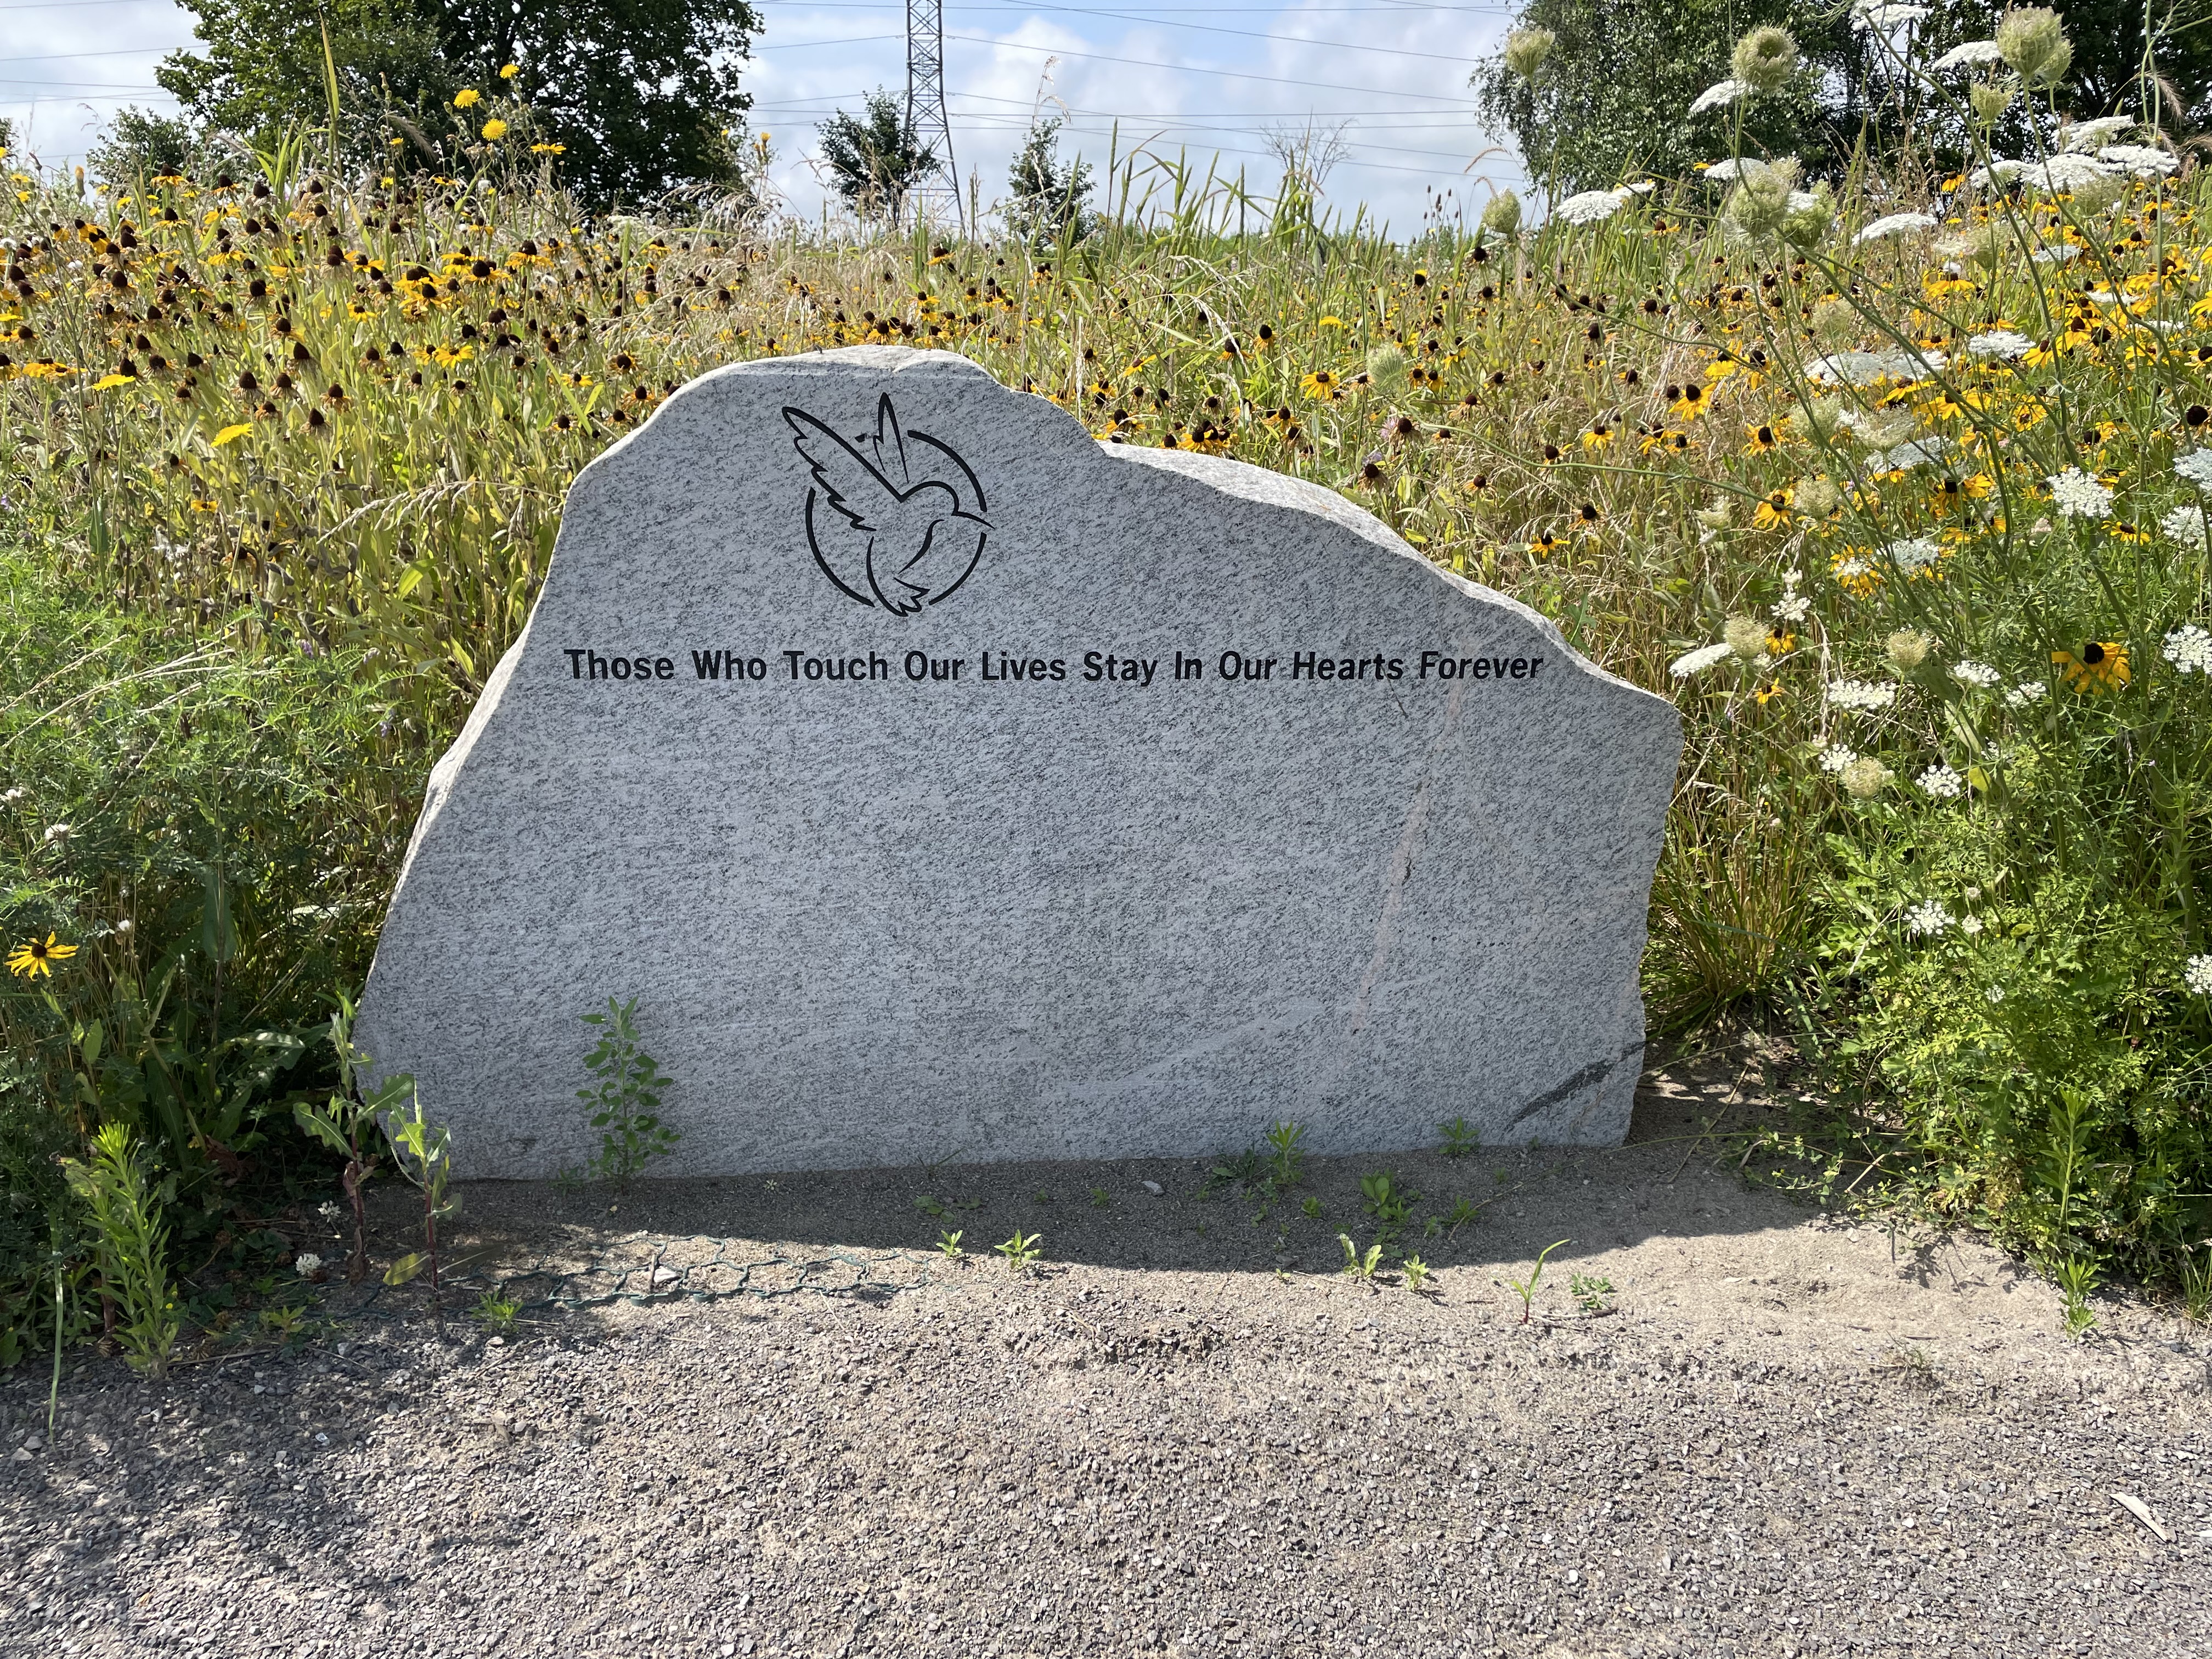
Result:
pixel 934 197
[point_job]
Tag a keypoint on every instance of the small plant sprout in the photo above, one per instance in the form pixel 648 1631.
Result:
pixel 1465 1211
pixel 496 1314
pixel 2077 1277
pixel 1418 1273
pixel 1460 1138
pixel 932 1207
pixel 2196 1282
pixel 1287 1166
pixel 1590 1293
pixel 348 1121
pixel 132 1243
pixel 1526 1289
pixel 627 1094
pixel 1361 1266
pixel 1042 1196
pixel 1021 1251
pixel 948 1245
pixel 1311 1209
pixel 1387 1202
pixel 1100 1198
pixel 283 1323
pixel 423 1150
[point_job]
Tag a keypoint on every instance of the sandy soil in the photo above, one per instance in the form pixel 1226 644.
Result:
pixel 767 1417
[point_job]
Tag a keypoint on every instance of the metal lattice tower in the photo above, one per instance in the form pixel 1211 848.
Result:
pixel 935 197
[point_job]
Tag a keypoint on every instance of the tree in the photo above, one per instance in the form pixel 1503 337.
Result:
pixel 141 144
pixel 262 68
pixel 874 162
pixel 1615 93
pixel 1048 199
pixel 643 95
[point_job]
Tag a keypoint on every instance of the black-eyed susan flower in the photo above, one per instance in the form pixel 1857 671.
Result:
pixel 1319 387
pixel 1687 403
pixel 1772 512
pixel 35 957
pixel 2100 665
pixel 1545 545
pixel 1762 439
pixel 1598 436
pixel 1588 516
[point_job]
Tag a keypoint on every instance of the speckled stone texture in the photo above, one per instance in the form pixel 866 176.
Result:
pixel 1012 910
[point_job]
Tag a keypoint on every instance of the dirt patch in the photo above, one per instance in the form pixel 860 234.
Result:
pixel 767 1416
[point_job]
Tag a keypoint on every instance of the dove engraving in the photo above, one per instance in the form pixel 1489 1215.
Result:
pixel 896 518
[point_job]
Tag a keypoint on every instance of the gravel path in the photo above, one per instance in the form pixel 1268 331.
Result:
pixel 823 1437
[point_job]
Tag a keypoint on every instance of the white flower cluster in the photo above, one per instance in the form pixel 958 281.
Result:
pixel 1792 608
pixel 1885 15
pixel 1862 695
pixel 1978 675
pixel 1967 56
pixel 1849 569
pixel 2185 524
pixel 1914 553
pixel 1921 451
pixel 1895 224
pixel 2063 253
pixel 1929 917
pixel 2196 974
pixel 1943 782
pixel 2138 161
pixel 2189 650
pixel 1719 96
pixel 2025 693
pixel 1697 661
pixel 1864 368
pixel 1594 207
pixel 2095 135
pixel 1834 758
pixel 2000 342
pixel 2078 495
pixel 2195 467
pixel 307 1266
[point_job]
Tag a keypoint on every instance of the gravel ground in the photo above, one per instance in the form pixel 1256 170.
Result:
pixel 1186 1433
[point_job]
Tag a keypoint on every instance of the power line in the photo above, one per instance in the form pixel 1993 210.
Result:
pixel 1204 69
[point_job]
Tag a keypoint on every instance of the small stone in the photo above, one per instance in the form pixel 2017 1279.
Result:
pixel 1154 1188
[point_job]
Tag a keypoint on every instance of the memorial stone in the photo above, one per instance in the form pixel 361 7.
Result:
pixel 948 785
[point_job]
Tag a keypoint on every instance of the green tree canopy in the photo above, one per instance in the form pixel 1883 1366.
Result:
pixel 641 96
pixel 1616 92
pixel 1048 196
pixel 876 160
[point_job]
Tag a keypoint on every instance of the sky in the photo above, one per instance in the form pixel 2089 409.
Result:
pixel 1389 77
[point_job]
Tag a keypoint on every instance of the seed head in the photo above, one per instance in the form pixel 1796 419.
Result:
pixel 1528 50
pixel 2032 40
pixel 1746 636
pixel 1989 99
pixel 1864 777
pixel 1766 58
pixel 1810 217
pixel 1386 367
pixel 1835 325
pixel 1502 217
pixel 1816 496
pixel 1908 649
pixel 1760 205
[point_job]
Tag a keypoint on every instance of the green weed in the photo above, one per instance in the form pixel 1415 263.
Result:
pixel 627 1096
pixel 1526 1289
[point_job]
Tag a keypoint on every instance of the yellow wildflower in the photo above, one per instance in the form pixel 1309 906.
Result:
pixel 32 958
pixel 495 130
pixel 464 97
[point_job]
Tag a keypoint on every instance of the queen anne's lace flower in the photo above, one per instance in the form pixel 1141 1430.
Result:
pixel 2061 254
pixel 2094 135
pixel 1720 95
pixel 1863 367
pixel 2138 161
pixel 2063 173
pixel 1977 674
pixel 2186 525
pixel 307 1266
pixel 2189 650
pixel 1885 15
pixel 1929 918
pixel 1591 207
pixel 1863 696
pixel 1943 782
pixel 1896 224
pixel 1914 553
pixel 2000 342
pixel 1694 662
pixel 1792 608
pixel 2195 467
pixel 2196 974
pixel 2078 495
pixel 2025 693
pixel 1834 758
pixel 1967 54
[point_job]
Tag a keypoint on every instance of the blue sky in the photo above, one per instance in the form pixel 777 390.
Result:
pixel 1390 75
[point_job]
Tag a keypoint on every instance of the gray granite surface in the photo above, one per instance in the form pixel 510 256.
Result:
pixel 1064 800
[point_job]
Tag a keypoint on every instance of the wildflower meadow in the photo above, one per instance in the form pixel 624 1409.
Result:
pixel 1895 479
